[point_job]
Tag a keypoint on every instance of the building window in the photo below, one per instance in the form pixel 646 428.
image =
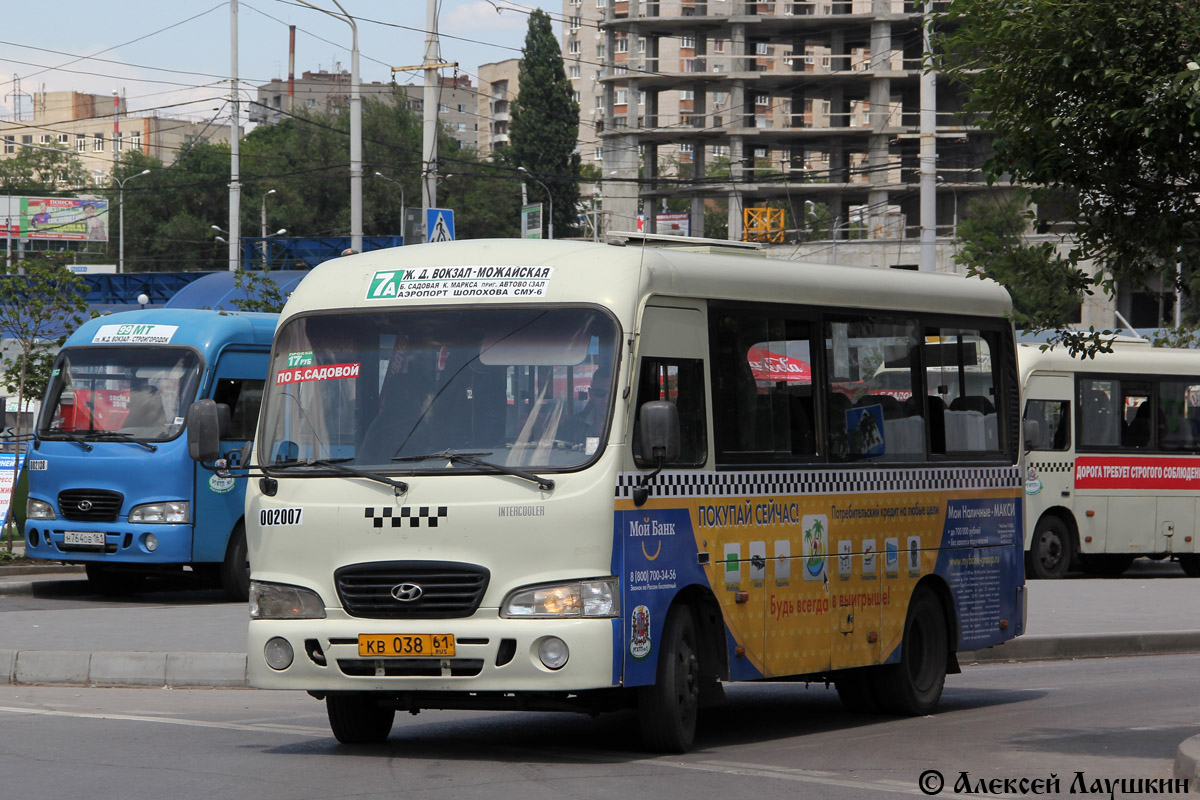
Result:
pixel 27 139
pixel 462 109
pixel 120 140
pixel 573 71
pixel 44 138
pixel 573 46
pixel 718 46
pixel 135 140
pixel 623 43
pixel 310 103
pixel 685 148
pixel 462 126
pixel 761 100
pixel 81 142
pixel 97 142
pixel 642 44
pixel 575 97
pixel 9 147
pixel 64 139
pixel 576 21
pixel 760 48
pixel 598 153
pixel 622 97
pixel 689 42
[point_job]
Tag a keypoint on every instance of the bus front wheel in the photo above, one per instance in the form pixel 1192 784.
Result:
pixel 667 710
pixel 914 686
pixel 356 718
pixel 235 569
pixel 1050 552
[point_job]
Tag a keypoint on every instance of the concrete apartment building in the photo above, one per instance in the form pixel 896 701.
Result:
pixel 498 87
pixel 323 91
pixel 99 129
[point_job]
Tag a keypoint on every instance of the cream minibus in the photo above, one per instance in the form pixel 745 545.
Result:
pixel 554 475
pixel 1113 472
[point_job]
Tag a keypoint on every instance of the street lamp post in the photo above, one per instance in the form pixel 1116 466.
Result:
pixel 263 227
pixel 549 197
pixel 121 220
pixel 403 220
pixel 356 210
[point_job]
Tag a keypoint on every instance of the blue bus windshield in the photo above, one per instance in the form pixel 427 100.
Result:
pixel 140 392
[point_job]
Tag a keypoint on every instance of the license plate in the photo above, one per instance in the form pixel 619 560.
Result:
pixel 87 538
pixel 407 645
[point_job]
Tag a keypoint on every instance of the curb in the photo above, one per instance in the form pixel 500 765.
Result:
pixel 1187 762
pixel 76 584
pixel 168 670
pixel 1087 645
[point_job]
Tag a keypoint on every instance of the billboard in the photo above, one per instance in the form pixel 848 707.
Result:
pixel 83 219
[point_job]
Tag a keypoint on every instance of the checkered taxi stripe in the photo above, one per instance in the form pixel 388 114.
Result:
pixel 760 483
pixel 1053 466
pixel 407 516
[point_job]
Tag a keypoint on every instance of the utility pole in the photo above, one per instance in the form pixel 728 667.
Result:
pixel 235 187
pixel 928 153
pixel 429 131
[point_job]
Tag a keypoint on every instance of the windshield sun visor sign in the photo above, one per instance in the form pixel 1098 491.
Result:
pixel 135 334
pixel 325 373
pixel 460 281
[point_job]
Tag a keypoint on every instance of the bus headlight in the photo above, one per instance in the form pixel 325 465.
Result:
pixel 171 512
pixel 280 601
pixel 591 598
pixel 39 509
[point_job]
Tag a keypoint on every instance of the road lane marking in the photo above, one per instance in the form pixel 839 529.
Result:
pixel 295 730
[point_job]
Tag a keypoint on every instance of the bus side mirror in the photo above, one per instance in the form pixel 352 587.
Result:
pixel 1032 432
pixel 658 430
pixel 207 424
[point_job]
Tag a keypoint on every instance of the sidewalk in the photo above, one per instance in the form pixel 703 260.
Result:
pixel 201 640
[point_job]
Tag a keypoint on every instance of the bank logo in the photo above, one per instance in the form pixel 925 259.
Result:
pixel 816 546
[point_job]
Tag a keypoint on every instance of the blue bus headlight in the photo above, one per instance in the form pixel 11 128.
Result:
pixel 39 509
pixel 171 512
pixel 280 601
pixel 592 598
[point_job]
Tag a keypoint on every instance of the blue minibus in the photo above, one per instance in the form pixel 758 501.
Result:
pixel 111 483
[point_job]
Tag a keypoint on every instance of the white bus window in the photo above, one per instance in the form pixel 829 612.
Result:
pixel 1138 430
pixel 959 371
pixel 1179 415
pixel 679 381
pixel 1100 420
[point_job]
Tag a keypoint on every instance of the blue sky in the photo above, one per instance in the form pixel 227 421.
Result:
pixel 174 56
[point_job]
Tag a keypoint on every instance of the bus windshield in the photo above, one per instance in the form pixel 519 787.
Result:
pixel 403 391
pixel 140 393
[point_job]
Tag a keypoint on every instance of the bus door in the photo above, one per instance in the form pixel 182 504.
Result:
pixel 238 382
pixel 1049 468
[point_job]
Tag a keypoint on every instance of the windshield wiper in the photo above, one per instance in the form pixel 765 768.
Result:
pixel 124 437
pixel 336 465
pixel 68 436
pixel 469 458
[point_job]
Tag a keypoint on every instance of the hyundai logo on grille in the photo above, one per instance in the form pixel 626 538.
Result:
pixel 85 505
pixel 406 592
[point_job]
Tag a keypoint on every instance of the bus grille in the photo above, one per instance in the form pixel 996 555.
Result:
pixel 90 505
pixel 446 589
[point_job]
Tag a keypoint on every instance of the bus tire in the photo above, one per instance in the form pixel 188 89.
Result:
pixel 856 690
pixel 667 710
pixel 1191 565
pixel 235 569
pixel 1050 552
pixel 1106 565
pixel 357 718
pixel 106 580
pixel 914 686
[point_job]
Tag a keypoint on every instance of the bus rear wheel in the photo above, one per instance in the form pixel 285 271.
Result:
pixel 357 718
pixel 667 710
pixel 1050 552
pixel 914 686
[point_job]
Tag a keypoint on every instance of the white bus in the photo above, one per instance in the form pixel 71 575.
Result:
pixel 448 518
pixel 1113 472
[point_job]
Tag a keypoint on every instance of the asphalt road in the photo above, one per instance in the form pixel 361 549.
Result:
pixel 1107 718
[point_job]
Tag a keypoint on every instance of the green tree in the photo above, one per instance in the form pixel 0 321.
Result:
pixel 40 303
pixel 1100 101
pixel 41 170
pixel 544 126
pixel 1046 288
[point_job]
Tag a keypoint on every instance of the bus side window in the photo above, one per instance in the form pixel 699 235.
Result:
pixel 1052 417
pixel 680 381
pixel 243 398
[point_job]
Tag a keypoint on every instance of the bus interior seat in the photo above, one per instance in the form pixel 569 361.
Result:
pixel 1137 431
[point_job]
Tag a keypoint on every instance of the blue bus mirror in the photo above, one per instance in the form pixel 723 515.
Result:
pixel 205 429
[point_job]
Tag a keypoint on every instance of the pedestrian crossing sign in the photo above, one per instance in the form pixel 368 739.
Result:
pixel 439 222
